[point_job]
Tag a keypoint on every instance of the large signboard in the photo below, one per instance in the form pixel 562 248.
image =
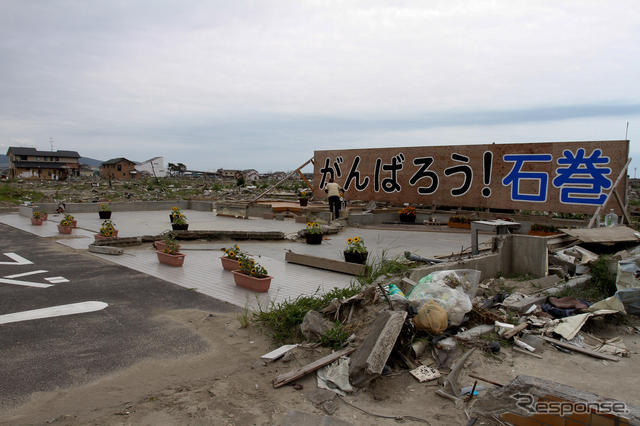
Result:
pixel 572 177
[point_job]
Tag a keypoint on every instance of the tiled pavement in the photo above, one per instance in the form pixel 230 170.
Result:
pixel 203 272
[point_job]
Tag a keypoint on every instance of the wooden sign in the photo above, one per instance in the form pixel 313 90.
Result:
pixel 571 177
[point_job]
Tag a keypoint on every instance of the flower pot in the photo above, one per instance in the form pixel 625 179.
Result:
pixel 159 245
pixel 74 223
pixel 313 238
pixel 180 227
pixel 98 237
pixel 45 216
pixel 261 285
pixel 171 259
pixel 303 202
pixel 36 222
pixel 104 215
pixel 355 257
pixel 407 218
pixel 65 229
pixel 170 217
pixel 459 225
pixel 229 264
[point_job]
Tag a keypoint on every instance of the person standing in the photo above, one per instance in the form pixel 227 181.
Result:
pixel 333 191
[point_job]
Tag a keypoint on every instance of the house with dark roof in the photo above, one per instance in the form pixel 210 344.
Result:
pixel 118 168
pixel 29 163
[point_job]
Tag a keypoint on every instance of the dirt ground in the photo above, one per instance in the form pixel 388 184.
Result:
pixel 228 385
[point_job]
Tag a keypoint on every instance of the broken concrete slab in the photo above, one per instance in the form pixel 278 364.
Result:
pixel 370 358
pixel 612 234
pixel 105 249
pixel 300 418
pixel 314 326
pixel 516 403
pixel 324 263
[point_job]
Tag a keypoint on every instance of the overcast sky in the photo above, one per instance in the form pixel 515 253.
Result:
pixel 262 84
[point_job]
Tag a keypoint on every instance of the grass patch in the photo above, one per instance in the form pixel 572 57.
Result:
pixel 282 320
pixel 12 194
pixel 244 318
pixel 336 337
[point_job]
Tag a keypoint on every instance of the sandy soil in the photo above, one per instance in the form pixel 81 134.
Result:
pixel 229 385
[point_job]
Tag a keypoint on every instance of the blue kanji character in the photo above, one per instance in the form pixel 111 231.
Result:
pixel 516 174
pixel 581 182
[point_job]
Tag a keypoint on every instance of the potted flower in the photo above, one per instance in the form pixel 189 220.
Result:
pixel 543 230
pixel 107 231
pixel 251 275
pixel 175 211
pixel 170 255
pixel 179 222
pixel 313 233
pixel 230 258
pixel 356 252
pixel 65 226
pixel 459 222
pixel 408 214
pixel 161 244
pixel 36 218
pixel 73 221
pixel 303 199
pixel 105 211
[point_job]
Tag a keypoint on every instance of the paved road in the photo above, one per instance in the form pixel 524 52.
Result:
pixel 43 354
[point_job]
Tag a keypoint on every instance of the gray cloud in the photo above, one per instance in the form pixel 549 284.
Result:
pixel 263 84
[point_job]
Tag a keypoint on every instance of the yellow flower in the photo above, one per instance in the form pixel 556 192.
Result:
pixel 309 224
pixel 174 208
pixel 315 225
pixel 349 240
pixel 253 271
pixel 232 254
pixel 356 239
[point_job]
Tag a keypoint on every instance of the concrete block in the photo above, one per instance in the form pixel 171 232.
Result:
pixel 370 358
pixel 105 249
pixel 529 255
pixel 314 325
pixel 324 263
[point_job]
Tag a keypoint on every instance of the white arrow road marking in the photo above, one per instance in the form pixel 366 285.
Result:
pixel 57 280
pixel 25 283
pixel 18 260
pixel 24 274
pixel 53 311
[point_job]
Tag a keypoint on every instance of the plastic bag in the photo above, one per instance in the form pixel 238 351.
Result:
pixel 431 317
pixel 451 289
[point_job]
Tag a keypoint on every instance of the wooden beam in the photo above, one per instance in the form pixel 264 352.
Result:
pixel 324 263
pixel 310 160
pixel 304 178
pixel 292 375
pixel 625 214
pixel 615 185
pixel 581 350
pixel 517 329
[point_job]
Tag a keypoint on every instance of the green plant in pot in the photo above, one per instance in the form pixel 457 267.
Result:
pixel 170 254
pixel 356 251
pixel 313 233
pixel 230 258
pixel 179 222
pixel 105 211
pixel 251 275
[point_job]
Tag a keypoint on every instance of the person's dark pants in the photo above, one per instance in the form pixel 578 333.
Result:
pixel 334 206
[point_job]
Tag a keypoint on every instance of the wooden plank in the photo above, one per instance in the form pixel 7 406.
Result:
pixel 272 187
pixel 517 329
pixel 613 234
pixel 292 375
pixel 522 351
pixel 622 206
pixel 324 263
pixel 580 350
pixel 615 185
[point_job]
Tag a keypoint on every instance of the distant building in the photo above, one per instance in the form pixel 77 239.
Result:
pixel 153 166
pixel 227 173
pixel 251 175
pixel 29 163
pixel 118 168
pixel 88 171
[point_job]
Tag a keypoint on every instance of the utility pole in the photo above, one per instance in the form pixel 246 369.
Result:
pixel 51 143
